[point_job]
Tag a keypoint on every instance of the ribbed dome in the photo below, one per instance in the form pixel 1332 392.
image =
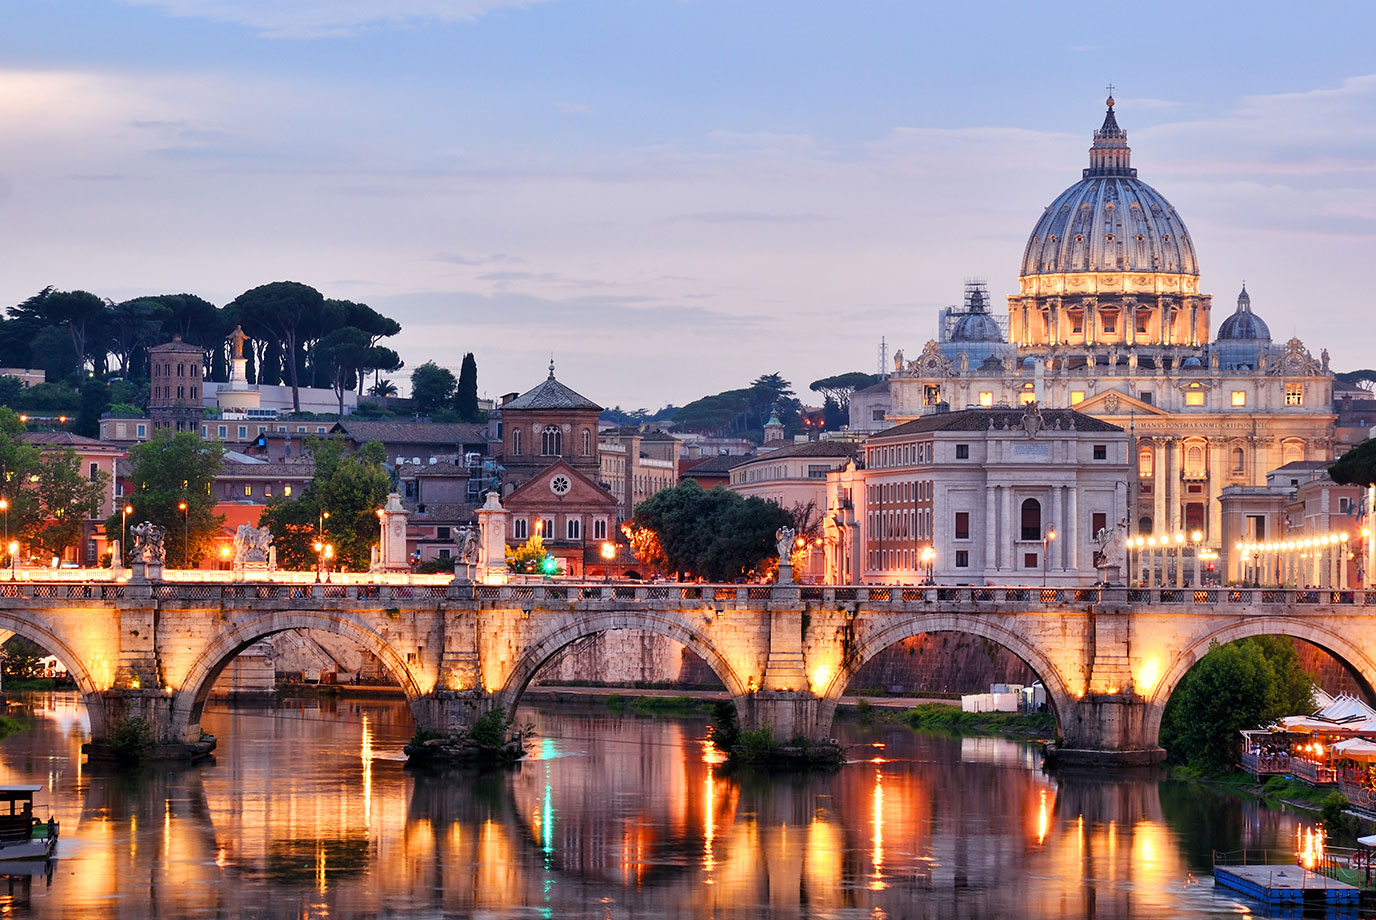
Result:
pixel 976 327
pixel 1243 324
pixel 1110 220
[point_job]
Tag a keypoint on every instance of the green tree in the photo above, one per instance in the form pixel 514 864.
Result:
pixel 341 354
pixel 351 487
pixel 164 472
pixel 69 498
pixel 717 534
pixel 1357 466
pixel 466 394
pixel 81 313
pixel 432 387
pixel 20 463
pixel 1244 684
pixel 281 311
pixel 531 557
pixel 134 325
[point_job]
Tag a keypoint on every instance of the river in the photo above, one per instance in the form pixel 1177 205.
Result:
pixel 308 812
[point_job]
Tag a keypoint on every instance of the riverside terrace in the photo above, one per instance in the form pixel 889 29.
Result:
pixel 1109 657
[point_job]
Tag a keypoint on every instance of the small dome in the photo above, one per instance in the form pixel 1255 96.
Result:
pixel 976 327
pixel 1243 324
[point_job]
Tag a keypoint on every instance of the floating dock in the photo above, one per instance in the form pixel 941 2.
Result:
pixel 1286 884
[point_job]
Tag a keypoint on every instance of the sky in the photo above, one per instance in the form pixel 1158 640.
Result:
pixel 672 197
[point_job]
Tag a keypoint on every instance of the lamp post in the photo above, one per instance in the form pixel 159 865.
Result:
pixel 124 513
pixel 1180 560
pixel 5 507
pixel 927 555
pixel 1047 539
pixel 14 557
pixel 323 551
pixel 186 533
pixel 608 554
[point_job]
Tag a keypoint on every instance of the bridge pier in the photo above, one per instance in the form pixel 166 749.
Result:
pixel 448 712
pixel 1107 730
pixel 154 707
pixel 788 713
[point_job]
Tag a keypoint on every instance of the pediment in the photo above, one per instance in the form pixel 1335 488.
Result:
pixel 546 490
pixel 1116 402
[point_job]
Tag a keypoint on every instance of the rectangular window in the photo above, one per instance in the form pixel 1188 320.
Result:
pixel 818 471
pixel 1100 451
pixel 1239 397
pixel 243 432
pixel 1294 394
pixel 444 552
pixel 1077 397
pixel 1194 397
pixel 1097 522
pixel 986 398
pixel 95 471
pixel 224 431
pixel 1110 322
pixel 547 528
pixel 1029 560
pixel 141 431
pixel 962 451
pixel 248 490
pixel 286 490
pixel 1145 396
pixel 962 558
pixel 1026 397
pixel 441 533
pixel 962 525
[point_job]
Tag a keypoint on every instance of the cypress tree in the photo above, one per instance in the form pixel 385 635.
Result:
pixel 466 395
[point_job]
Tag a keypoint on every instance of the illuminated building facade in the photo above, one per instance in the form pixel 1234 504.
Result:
pixel 1109 319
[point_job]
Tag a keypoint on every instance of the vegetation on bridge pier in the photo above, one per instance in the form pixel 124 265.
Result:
pixel 492 740
pixel 759 748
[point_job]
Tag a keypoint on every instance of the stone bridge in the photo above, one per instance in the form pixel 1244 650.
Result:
pixel 1109 658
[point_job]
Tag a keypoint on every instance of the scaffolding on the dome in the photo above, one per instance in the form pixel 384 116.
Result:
pixel 976 301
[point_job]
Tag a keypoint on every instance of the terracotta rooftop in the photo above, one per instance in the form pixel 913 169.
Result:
pixel 440 434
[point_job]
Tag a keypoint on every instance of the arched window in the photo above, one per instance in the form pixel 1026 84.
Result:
pixel 587 443
pixel 1031 519
pixel 1145 463
pixel 1291 451
pixel 1239 460
pixel 1194 460
pixel 516 442
pixel 551 441
pixel 1144 527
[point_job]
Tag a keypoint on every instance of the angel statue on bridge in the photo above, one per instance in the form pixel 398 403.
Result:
pixel 148 546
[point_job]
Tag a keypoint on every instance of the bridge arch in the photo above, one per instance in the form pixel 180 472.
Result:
pixel 1358 662
pixel 189 700
pixel 571 629
pixel 76 667
pixel 1059 698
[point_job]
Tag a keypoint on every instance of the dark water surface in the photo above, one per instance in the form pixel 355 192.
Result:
pixel 307 812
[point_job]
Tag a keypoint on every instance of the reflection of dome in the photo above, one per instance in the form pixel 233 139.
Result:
pixel 1110 220
pixel 1243 336
pixel 1243 324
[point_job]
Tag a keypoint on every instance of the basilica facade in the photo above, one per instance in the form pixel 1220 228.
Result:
pixel 1110 320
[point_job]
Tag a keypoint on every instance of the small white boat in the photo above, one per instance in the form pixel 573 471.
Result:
pixel 23 835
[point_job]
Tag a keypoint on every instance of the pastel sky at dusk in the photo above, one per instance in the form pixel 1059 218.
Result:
pixel 672 196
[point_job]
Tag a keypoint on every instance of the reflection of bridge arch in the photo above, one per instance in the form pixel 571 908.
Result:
pixel 571 629
pixel 190 698
pixel 76 667
pixel 1358 663
pixel 1059 697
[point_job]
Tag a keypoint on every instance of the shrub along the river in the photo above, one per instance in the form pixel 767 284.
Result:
pixel 1243 684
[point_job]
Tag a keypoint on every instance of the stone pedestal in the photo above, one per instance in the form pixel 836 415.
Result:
pixel 392 553
pixel 492 519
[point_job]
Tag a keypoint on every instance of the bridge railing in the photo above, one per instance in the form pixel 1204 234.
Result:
pixel 709 595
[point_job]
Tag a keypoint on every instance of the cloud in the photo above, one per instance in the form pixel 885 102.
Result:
pixel 329 18
pixel 458 258
pixel 748 217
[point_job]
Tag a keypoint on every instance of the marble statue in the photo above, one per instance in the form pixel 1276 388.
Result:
pixel 251 544
pixel 148 539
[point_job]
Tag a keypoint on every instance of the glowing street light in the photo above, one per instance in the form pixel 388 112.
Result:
pixel 186 533
pixel 927 556
pixel 124 513
pixel 14 557
pixel 1046 542
pixel 608 554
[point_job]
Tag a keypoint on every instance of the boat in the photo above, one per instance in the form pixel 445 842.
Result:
pixel 23 835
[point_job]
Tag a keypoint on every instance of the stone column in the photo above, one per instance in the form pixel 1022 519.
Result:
pixel 392 556
pixel 1072 529
pixel 1158 487
pixel 991 525
pixel 492 521
pixel 1056 550
pixel 1218 468
pixel 1006 537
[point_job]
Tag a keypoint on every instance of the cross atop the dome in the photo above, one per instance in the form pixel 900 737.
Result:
pixel 1110 95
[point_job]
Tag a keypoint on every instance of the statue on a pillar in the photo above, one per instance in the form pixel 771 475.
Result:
pixel 469 544
pixel 148 543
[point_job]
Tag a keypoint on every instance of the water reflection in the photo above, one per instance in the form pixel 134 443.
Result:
pixel 308 813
